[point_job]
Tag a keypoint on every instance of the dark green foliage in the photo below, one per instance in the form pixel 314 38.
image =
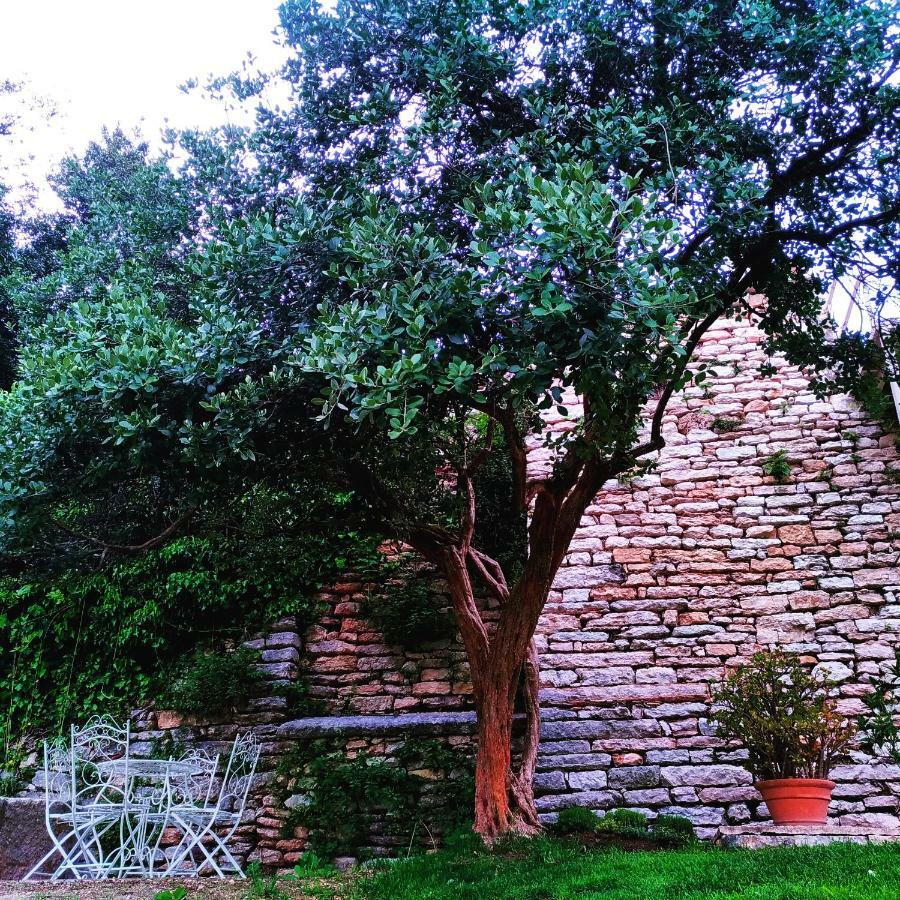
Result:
pixel 778 466
pixel 424 792
pixel 405 605
pixel 724 425
pixel 878 724
pixel 212 682
pixel 299 701
pixel 624 821
pixel 178 893
pixel 673 831
pixel 784 717
pixel 11 783
pixel 500 528
pixel 874 395
pixel 80 641
pixel 311 865
pixel 574 820
pixel 263 887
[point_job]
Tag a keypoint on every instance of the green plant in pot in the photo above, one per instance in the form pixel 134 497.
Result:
pixel 783 715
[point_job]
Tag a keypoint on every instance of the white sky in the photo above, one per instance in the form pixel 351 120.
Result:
pixel 111 62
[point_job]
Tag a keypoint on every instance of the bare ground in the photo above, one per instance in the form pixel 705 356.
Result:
pixel 147 889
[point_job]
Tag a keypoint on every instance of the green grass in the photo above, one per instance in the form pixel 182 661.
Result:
pixel 546 869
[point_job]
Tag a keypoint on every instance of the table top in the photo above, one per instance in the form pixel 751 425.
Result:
pixel 152 768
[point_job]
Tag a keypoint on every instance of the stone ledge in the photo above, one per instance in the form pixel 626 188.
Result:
pixel 450 723
pixel 765 834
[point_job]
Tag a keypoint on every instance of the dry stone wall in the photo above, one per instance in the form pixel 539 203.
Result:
pixel 672 578
pixel 690 569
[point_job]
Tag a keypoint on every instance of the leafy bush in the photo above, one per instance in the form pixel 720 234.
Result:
pixel 262 887
pixel 625 822
pixel 405 606
pixel 178 893
pixel 425 791
pixel 778 467
pixel 311 865
pixel 299 701
pixel 782 714
pixel 575 820
pixel 724 425
pixel 10 784
pixel 673 831
pixel 879 724
pixel 212 682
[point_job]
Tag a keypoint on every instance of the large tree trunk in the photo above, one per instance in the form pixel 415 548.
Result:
pixel 503 659
pixel 504 786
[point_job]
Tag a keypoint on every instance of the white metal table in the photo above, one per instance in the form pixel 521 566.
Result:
pixel 145 815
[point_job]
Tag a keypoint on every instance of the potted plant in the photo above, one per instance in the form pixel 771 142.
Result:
pixel 785 718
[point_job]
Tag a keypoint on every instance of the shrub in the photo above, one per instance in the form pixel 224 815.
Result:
pixel 724 425
pixel 624 821
pixel 778 467
pixel 82 639
pixel 878 723
pixel 10 784
pixel 311 865
pixel 782 714
pixel 674 831
pixel 406 608
pixel 575 820
pixel 426 790
pixel 213 682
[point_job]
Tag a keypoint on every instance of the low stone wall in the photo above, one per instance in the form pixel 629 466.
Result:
pixel 23 835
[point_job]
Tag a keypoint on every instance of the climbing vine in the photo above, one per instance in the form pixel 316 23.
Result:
pixel 413 797
pixel 81 640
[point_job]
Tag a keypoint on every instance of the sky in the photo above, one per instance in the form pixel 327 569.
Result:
pixel 119 62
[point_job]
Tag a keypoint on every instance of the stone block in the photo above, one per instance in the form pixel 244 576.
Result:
pixel 23 835
pixel 704 776
pixel 631 777
pixel 588 781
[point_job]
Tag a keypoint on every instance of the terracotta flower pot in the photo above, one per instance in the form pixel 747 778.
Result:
pixel 797 801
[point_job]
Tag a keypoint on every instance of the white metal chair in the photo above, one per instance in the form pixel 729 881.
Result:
pixel 66 838
pixel 101 786
pixel 188 787
pixel 207 829
pixel 86 801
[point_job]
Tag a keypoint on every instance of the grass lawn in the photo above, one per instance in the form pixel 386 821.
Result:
pixel 546 869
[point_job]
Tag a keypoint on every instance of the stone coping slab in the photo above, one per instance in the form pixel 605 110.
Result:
pixel 766 834
pixel 447 723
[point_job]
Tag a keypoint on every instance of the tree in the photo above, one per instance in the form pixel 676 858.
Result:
pixel 476 209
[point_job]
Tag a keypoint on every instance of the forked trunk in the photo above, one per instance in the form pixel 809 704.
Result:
pixel 504 789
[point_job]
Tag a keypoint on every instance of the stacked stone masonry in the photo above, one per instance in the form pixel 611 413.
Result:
pixel 672 578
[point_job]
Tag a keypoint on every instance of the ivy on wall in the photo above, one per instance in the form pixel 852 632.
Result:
pixel 81 641
pixel 421 791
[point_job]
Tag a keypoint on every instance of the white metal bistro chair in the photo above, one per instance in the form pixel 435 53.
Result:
pixel 101 794
pixel 188 787
pixel 86 801
pixel 207 829
pixel 70 842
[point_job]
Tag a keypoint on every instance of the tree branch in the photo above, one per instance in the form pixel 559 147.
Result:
pixel 149 544
pixel 491 572
pixel 824 238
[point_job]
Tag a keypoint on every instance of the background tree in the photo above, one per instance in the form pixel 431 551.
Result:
pixel 474 210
